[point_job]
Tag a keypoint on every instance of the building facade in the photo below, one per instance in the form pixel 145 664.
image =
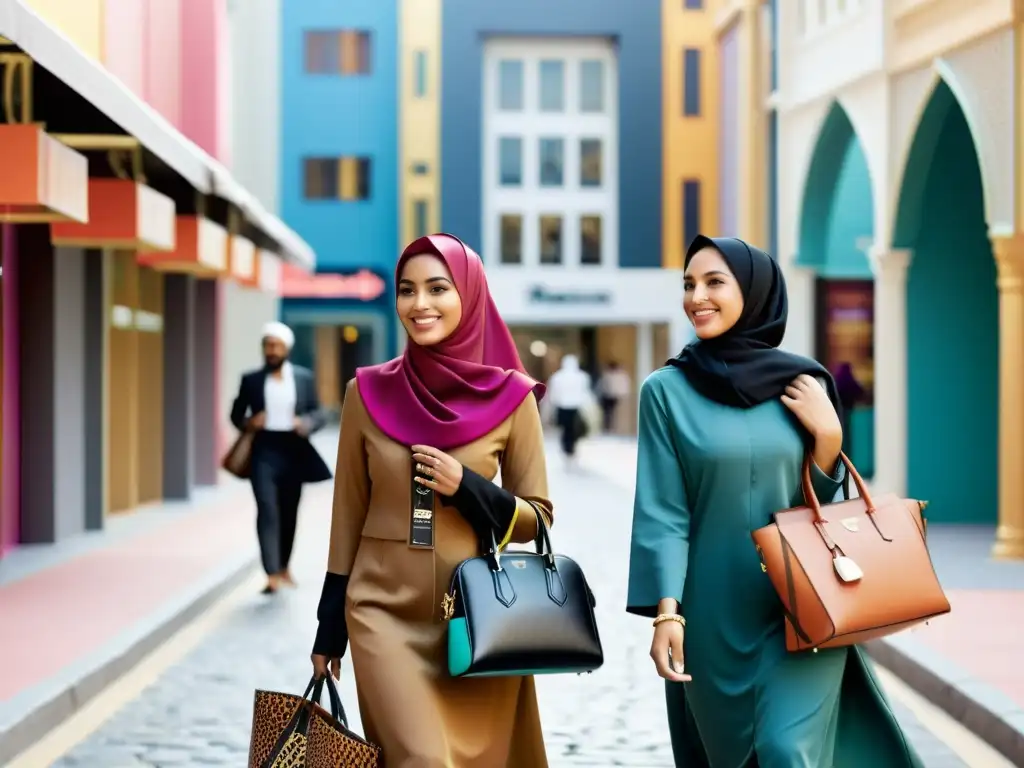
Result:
pixel 551 126
pixel 690 126
pixel 113 276
pixel 900 222
pixel 339 180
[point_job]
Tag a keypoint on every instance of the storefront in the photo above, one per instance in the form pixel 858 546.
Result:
pixel 630 316
pixel 845 331
pixel 341 322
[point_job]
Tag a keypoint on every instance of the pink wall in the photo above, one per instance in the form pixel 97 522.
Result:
pixel 11 464
pixel 180 63
pixel 164 57
pixel 124 48
pixel 205 78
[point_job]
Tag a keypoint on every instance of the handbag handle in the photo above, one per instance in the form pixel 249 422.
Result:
pixel 542 542
pixel 811 499
pixel 299 721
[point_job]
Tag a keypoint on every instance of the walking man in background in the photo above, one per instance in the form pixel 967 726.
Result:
pixel 279 403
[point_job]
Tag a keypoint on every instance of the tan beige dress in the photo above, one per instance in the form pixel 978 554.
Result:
pixel 419 715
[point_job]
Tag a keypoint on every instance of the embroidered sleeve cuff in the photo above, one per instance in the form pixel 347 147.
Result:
pixel 332 632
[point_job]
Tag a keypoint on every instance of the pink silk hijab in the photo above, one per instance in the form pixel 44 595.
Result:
pixel 454 392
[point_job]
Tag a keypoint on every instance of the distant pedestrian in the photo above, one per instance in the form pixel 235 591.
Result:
pixel 279 402
pixel 613 387
pixel 569 389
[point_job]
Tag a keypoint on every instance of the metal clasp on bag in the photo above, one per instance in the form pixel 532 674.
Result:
pixel 448 606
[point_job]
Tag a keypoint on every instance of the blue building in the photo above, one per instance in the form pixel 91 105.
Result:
pixel 339 179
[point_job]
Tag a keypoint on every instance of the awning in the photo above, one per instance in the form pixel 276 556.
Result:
pixel 51 49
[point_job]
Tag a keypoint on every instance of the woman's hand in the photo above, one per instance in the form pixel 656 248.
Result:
pixel 321 664
pixel 445 473
pixel 809 402
pixel 667 651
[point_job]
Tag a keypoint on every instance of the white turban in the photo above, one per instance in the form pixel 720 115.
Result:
pixel 279 331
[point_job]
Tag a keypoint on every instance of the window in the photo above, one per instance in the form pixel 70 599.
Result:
pixel 693 5
pixel 691 82
pixel 591 86
pixel 510 85
pixel 590 239
pixel 337 52
pixel 420 213
pixel 510 159
pixel 552 86
pixel 590 162
pixel 420 74
pixel 420 169
pixel 552 162
pixel 336 178
pixel 511 238
pixel 550 239
pixel 691 211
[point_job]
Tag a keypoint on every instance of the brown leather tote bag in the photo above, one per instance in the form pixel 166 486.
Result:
pixel 850 571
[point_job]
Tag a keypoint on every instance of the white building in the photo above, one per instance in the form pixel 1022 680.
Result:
pixel 551 208
pixel 255 32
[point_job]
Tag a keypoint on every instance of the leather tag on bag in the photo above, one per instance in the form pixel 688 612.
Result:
pixel 421 517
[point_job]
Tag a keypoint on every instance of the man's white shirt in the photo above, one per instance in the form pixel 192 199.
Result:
pixel 280 397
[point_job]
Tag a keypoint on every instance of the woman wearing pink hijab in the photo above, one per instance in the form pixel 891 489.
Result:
pixel 455 407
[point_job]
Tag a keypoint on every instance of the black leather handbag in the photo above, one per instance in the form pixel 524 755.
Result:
pixel 521 613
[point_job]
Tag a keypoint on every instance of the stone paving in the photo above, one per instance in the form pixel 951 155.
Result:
pixel 199 711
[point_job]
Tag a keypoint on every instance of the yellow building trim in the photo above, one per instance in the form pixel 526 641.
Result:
pixel 82 21
pixel 419 115
pixel 689 144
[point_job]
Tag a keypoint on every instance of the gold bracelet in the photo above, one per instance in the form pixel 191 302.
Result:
pixel 669 617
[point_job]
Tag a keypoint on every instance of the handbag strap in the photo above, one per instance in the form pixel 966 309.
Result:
pixel 811 499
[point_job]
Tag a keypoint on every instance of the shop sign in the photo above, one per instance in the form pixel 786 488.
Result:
pixel 540 294
pixel 364 285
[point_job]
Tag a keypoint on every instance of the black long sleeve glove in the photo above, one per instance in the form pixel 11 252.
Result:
pixel 487 507
pixel 332 634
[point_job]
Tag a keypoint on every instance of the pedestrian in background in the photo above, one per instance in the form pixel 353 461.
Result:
pixel 279 402
pixel 569 389
pixel 722 438
pixel 613 387
pixel 455 407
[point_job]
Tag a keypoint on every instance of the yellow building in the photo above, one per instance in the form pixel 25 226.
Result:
pixel 690 120
pixel 742 29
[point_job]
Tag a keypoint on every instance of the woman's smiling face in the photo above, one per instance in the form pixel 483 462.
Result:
pixel 428 303
pixel 712 297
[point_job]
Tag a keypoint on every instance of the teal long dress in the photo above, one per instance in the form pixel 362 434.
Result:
pixel 708 475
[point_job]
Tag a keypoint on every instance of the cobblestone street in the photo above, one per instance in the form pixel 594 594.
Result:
pixel 198 712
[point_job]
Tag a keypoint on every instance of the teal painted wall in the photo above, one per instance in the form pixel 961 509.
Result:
pixel 838 210
pixel 850 219
pixel 952 324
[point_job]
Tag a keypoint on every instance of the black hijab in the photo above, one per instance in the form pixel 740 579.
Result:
pixel 744 366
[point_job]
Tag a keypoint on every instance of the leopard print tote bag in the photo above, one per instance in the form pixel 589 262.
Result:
pixel 291 731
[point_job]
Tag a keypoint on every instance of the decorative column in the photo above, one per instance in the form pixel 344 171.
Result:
pixel 890 340
pixel 1009 255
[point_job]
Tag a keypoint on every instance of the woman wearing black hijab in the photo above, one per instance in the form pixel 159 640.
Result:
pixel 722 435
